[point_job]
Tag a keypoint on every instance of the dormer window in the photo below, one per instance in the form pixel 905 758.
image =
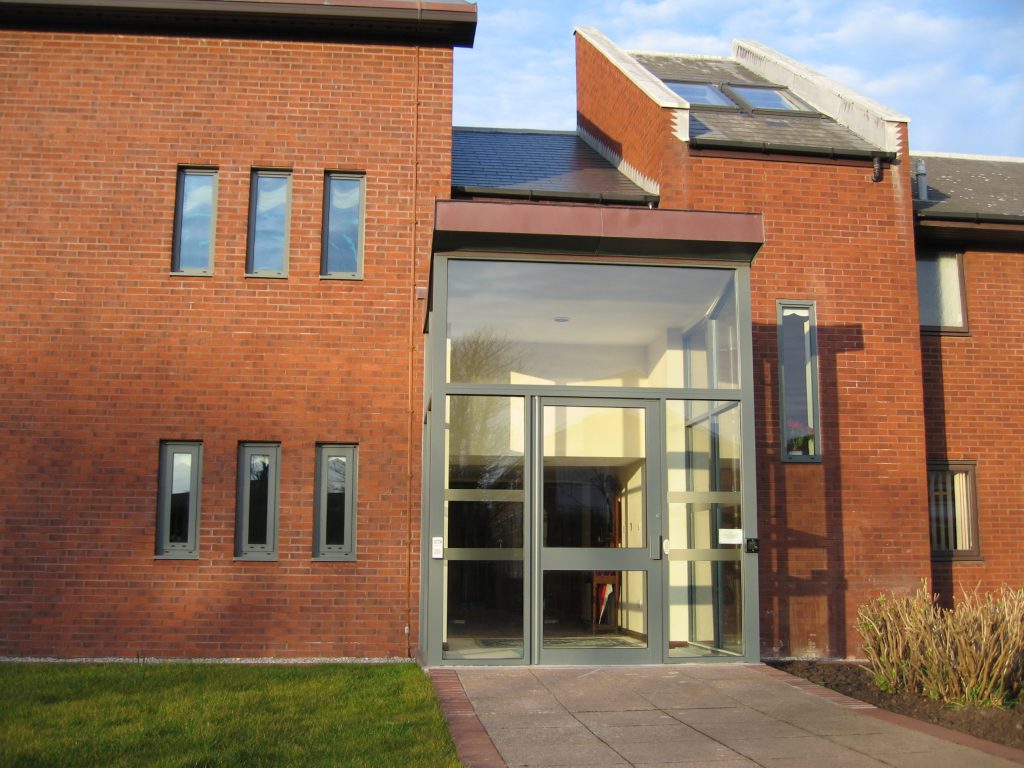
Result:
pixel 701 94
pixel 760 97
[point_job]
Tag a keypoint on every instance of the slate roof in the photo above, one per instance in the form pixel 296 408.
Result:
pixel 971 187
pixel 767 131
pixel 553 165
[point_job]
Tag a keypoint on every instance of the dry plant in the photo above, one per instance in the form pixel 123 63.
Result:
pixel 970 654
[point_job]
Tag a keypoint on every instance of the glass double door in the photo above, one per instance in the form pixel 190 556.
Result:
pixel 591 531
pixel 551 534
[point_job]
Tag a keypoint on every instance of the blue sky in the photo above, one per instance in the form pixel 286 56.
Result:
pixel 955 67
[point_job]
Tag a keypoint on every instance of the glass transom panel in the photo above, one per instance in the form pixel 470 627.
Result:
pixel 601 325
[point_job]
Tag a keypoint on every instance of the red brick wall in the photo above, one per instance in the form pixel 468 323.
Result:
pixel 837 533
pixel 973 392
pixel 617 113
pixel 104 353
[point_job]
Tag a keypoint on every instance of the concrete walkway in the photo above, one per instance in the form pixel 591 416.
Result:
pixel 719 716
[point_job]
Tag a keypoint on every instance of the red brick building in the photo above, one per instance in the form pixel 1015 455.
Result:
pixel 675 400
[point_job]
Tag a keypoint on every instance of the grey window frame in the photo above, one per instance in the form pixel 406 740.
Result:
pixel 964 329
pixel 968 467
pixel 321 549
pixel 254 175
pixel 812 390
pixel 179 200
pixel 165 548
pixel 325 226
pixel 244 550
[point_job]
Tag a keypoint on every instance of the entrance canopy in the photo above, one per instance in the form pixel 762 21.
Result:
pixel 463 225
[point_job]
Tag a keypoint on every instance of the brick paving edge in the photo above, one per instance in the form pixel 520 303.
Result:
pixel 472 742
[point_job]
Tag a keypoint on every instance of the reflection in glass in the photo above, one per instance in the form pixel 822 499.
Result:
pixel 181 496
pixel 195 220
pixel 335 523
pixel 594 485
pixel 595 609
pixel 259 496
pixel 484 610
pixel 705 608
pixel 268 250
pixel 796 353
pixel 609 325
pixel 343 215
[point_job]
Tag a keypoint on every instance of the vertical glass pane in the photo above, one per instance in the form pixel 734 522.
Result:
pixel 484 610
pixel 938 291
pixel 344 198
pixel 594 483
pixel 609 325
pixel 181 498
pixel 334 523
pixel 595 609
pixel 799 411
pixel 484 503
pixel 259 498
pixel 270 223
pixel 195 235
pixel 704 453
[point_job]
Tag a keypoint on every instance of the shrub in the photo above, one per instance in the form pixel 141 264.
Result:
pixel 970 654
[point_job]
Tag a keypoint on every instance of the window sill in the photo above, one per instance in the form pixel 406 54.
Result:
pixel 342 276
pixel 934 330
pixel 177 556
pixel 256 558
pixel 950 557
pixel 191 274
pixel 268 275
pixel 330 558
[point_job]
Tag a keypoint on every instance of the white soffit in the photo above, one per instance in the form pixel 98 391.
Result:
pixel 864 116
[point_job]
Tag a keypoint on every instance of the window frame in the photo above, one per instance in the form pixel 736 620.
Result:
pixel 250 266
pixel 243 549
pixel 325 274
pixel 184 171
pixel 968 467
pixel 813 389
pixel 165 548
pixel 964 329
pixel 321 549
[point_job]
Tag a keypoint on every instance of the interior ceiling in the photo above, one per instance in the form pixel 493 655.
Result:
pixel 603 304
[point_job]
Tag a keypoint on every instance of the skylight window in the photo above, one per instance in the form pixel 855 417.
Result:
pixel 701 94
pixel 758 97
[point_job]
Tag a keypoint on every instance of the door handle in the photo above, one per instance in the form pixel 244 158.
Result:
pixel 657 544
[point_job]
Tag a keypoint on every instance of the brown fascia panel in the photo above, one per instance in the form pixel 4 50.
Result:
pixel 962 232
pixel 403 21
pixel 595 230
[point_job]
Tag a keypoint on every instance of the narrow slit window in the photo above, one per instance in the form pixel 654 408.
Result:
pixel 194 221
pixel 798 381
pixel 269 220
pixel 256 527
pixel 952 510
pixel 940 292
pixel 178 500
pixel 334 527
pixel 342 253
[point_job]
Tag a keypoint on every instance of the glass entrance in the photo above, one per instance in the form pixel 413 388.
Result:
pixel 595 569
pixel 590 493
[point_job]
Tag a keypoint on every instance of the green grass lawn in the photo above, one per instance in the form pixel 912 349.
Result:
pixel 220 715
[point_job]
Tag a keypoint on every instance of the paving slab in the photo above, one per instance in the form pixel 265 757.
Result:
pixel 684 716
